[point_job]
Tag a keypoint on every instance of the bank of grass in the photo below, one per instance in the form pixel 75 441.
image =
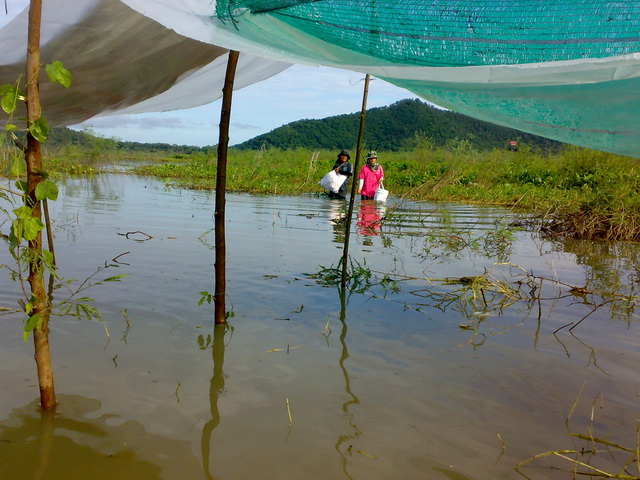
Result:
pixel 576 192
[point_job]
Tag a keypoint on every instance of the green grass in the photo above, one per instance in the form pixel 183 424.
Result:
pixel 576 192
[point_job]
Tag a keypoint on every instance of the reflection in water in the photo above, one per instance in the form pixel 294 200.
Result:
pixel 75 443
pixel 215 390
pixel 425 408
pixel 354 400
pixel 369 218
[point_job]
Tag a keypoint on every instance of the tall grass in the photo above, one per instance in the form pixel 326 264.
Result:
pixel 575 192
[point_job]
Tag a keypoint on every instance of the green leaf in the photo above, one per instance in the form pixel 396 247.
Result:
pixel 10 127
pixel 32 227
pixel 23 212
pixel 48 259
pixel 57 73
pixel 40 129
pixel 14 240
pixel 115 278
pixel 21 185
pixel 47 189
pixel 33 322
pixel 205 296
pixel 18 166
pixel 10 96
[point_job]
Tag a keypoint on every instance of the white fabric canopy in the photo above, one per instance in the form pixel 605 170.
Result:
pixel 122 61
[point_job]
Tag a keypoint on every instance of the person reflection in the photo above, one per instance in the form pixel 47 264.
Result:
pixel 216 387
pixel 369 218
pixel 338 220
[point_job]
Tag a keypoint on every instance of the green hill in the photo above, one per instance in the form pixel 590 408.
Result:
pixel 62 136
pixel 393 128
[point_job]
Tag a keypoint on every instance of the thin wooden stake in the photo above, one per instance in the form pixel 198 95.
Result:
pixel 354 188
pixel 33 157
pixel 220 316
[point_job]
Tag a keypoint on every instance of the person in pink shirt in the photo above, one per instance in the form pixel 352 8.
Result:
pixel 371 176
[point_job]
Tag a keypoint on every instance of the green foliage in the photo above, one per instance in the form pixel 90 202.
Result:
pixel 47 189
pixel 359 277
pixel 10 96
pixel 205 297
pixel 400 126
pixel 57 73
pixel 39 129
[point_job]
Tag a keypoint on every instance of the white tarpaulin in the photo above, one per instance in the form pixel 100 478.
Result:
pixel 122 61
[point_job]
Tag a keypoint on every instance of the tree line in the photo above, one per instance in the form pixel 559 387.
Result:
pixel 398 127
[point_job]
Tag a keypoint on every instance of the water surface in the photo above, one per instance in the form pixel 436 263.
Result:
pixel 391 383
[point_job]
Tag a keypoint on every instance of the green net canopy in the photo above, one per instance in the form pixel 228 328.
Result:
pixel 564 69
pixel 460 33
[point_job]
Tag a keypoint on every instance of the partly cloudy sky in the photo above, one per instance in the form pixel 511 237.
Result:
pixel 300 92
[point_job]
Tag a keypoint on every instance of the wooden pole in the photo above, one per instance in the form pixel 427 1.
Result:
pixel 220 316
pixel 354 188
pixel 33 157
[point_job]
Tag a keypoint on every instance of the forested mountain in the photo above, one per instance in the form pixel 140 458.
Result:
pixel 87 139
pixel 392 128
pixel 395 127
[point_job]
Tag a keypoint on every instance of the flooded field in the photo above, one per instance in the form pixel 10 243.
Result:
pixel 455 360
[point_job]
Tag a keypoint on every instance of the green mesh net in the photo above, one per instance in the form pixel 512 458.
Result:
pixel 565 69
pixel 460 33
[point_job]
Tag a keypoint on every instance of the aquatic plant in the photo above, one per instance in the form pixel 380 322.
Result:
pixel 593 456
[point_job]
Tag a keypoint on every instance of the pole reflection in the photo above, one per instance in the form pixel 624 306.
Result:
pixel 80 440
pixel 353 399
pixel 216 388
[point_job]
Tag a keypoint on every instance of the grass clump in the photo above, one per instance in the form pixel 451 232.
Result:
pixel 572 192
pixel 575 192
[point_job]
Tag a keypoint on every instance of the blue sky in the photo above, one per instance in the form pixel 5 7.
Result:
pixel 300 92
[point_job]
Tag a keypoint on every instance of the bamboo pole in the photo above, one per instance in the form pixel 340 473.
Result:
pixel 354 188
pixel 33 157
pixel 221 186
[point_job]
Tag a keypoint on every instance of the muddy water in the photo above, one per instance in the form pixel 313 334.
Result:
pixel 396 382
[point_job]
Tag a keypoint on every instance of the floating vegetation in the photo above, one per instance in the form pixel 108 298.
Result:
pixel 592 456
pixel 479 297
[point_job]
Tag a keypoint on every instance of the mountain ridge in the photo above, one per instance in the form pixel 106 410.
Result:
pixel 399 126
pixel 402 125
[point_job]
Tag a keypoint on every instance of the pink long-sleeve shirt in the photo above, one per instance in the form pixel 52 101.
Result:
pixel 371 179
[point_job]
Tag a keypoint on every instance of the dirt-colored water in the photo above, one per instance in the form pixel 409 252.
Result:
pixel 382 386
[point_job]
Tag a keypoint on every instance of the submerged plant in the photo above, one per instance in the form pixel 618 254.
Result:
pixel 359 276
pixel 593 456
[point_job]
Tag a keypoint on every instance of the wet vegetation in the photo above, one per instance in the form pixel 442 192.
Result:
pixel 573 193
pixel 568 191
pixel 577 192
pixel 483 301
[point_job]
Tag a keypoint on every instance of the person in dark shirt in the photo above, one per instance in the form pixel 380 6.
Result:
pixel 342 167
